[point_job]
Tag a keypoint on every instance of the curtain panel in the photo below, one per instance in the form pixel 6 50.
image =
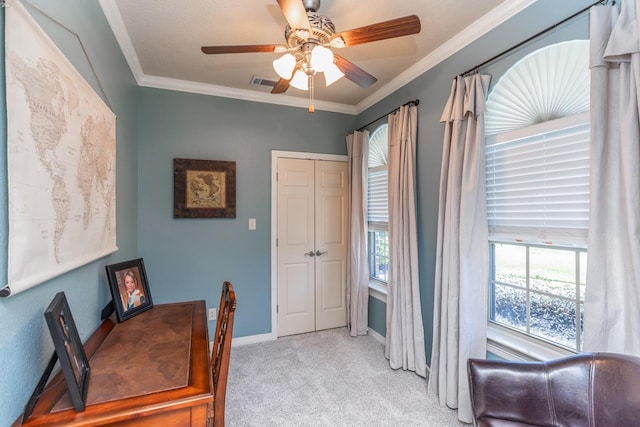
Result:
pixel 461 277
pixel 612 295
pixel 405 331
pixel 357 261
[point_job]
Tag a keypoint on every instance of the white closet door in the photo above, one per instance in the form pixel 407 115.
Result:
pixel 312 245
pixel 331 200
pixel 296 269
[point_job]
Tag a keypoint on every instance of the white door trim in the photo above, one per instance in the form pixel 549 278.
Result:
pixel 275 155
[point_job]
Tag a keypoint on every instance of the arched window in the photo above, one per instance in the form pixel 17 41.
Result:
pixel 378 204
pixel 537 178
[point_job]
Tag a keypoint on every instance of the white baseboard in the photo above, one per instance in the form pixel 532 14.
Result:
pixel 252 339
pixel 376 336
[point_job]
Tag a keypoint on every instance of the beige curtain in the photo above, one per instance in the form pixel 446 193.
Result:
pixel 405 333
pixel 357 262
pixel 461 278
pixel 612 296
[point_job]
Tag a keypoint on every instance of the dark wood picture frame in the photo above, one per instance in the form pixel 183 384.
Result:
pixel 204 189
pixel 69 349
pixel 129 303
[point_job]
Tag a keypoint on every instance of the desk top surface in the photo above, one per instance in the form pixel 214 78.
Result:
pixel 146 354
pixel 159 356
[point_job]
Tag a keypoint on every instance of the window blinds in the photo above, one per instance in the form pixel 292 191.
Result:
pixel 537 183
pixel 378 191
pixel 378 199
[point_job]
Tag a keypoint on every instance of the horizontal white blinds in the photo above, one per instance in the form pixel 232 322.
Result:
pixel 377 197
pixel 537 182
pixel 378 192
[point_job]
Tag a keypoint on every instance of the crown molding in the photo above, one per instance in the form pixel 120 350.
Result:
pixel 474 31
pixel 242 94
pixel 486 23
pixel 112 13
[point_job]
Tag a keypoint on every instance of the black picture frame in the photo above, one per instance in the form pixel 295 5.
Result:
pixel 204 188
pixel 69 349
pixel 129 304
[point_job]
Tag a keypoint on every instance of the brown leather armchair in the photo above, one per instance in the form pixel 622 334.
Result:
pixel 592 389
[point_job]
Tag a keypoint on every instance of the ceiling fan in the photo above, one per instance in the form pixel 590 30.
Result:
pixel 309 39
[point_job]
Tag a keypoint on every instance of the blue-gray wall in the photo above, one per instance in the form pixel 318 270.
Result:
pixel 25 343
pixel 189 258
pixel 377 316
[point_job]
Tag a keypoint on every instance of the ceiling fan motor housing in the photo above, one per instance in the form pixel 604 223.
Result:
pixel 311 5
pixel 321 31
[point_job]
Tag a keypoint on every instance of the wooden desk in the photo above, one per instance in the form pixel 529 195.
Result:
pixel 174 363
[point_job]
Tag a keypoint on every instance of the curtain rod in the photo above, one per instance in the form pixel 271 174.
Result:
pixel 535 36
pixel 415 102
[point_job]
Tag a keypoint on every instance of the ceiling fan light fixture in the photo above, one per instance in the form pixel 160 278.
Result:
pixel 332 74
pixel 337 42
pixel 300 80
pixel 285 65
pixel 321 58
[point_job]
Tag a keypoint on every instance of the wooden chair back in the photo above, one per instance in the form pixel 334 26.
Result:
pixel 222 351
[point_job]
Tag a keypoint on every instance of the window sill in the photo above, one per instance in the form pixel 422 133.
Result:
pixel 511 345
pixel 378 291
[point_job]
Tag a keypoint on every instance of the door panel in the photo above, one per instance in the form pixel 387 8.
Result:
pixel 331 215
pixel 295 238
pixel 297 232
pixel 331 201
pixel 331 297
pixel 297 297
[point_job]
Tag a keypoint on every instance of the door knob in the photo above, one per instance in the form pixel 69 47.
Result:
pixel 318 253
pixel 310 253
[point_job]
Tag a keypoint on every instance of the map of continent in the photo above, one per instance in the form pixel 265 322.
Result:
pixel 205 189
pixel 61 159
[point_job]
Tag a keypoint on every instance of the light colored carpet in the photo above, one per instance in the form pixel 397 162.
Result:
pixel 326 378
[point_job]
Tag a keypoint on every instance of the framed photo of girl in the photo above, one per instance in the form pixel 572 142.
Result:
pixel 129 288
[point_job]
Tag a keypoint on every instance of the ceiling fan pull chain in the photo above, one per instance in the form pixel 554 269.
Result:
pixel 312 109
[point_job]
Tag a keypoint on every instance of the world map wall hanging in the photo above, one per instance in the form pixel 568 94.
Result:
pixel 61 160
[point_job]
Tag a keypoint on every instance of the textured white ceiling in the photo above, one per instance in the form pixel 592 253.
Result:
pixel 162 38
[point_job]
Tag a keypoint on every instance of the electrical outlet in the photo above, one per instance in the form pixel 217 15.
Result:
pixel 212 314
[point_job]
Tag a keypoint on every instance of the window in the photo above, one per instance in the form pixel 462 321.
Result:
pixel 378 205
pixel 379 255
pixel 537 181
pixel 539 291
